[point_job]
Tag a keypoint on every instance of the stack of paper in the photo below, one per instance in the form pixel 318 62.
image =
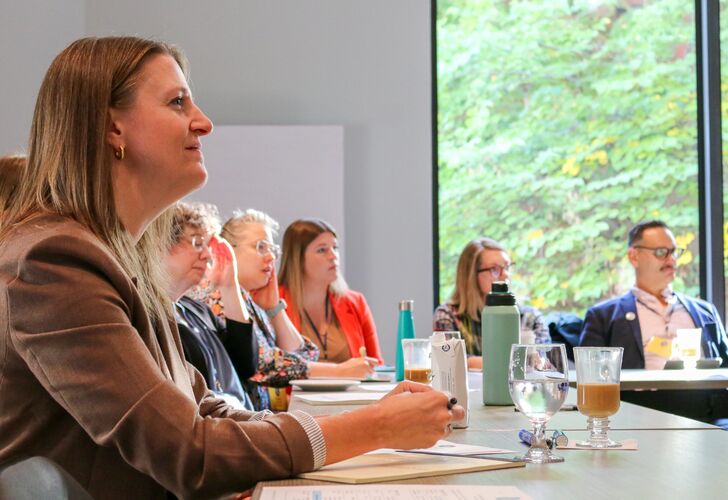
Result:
pixel 393 492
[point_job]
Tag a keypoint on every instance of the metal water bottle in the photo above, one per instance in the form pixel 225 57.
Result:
pixel 405 330
pixel 500 328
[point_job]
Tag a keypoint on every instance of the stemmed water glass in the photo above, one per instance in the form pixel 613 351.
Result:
pixel 597 387
pixel 538 379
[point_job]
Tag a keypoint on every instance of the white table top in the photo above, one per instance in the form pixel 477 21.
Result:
pixel 677 457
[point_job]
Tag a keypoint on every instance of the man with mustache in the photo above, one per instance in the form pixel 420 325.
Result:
pixel 644 321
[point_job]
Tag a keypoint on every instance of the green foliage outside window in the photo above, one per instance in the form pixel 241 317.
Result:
pixel 561 124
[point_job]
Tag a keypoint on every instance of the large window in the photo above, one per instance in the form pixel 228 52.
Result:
pixel 560 125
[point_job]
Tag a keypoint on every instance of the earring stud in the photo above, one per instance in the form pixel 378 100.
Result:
pixel 119 153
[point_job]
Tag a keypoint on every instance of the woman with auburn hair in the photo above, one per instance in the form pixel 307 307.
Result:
pixel 11 168
pixel 320 304
pixel 482 261
pixel 93 374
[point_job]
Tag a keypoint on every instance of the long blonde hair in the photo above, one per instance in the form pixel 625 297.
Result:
pixel 69 161
pixel 298 236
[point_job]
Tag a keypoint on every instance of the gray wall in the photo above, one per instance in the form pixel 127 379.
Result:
pixel 32 32
pixel 361 64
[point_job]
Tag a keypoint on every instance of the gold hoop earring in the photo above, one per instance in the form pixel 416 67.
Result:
pixel 119 153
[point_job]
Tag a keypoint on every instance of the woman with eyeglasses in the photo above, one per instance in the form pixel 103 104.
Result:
pixel 225 351
pixel 320 304
pixel 283 353
pixel 482 261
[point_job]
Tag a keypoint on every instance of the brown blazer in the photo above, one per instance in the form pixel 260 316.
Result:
pixel 87 382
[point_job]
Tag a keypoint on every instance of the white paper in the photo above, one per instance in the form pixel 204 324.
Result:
pixel 392 492
pixel 376 387
pixel 450 448
pixel 341 398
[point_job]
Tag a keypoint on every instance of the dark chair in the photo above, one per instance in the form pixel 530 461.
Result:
pixel 39 477
pixel 565 328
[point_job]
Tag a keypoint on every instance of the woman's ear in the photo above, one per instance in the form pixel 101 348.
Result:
pixel 114 134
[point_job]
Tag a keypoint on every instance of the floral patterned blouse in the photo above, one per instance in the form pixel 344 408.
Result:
pixel 276 367
pixel 447 320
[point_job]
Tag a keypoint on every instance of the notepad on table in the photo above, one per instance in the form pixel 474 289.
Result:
pixel 375 467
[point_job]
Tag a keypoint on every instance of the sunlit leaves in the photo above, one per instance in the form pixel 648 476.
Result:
pixel 561 124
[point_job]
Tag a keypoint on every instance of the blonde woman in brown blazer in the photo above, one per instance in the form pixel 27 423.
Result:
pixel 92 373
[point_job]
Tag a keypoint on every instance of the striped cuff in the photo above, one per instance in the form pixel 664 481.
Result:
pixel 315 436
pixel 260 415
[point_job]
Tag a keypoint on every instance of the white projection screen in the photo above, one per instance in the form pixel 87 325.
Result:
pixel 288 172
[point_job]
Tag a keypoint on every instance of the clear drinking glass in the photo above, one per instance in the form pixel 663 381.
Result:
pixel 538 379
pixel 597 386
pixel 417 360
pixel 688 345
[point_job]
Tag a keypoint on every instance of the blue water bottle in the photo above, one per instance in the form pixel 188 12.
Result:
pixel 405 330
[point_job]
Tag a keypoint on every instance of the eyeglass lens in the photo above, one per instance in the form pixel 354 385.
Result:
pixel 198 243
pixel 265 247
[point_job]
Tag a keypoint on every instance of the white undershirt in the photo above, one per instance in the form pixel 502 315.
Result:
pixel 657 320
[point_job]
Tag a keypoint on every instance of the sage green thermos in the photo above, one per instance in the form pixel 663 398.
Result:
pixel 500 328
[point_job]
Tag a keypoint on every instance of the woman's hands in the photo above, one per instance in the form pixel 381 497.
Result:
pixel 223 274
pixel 267 296
pixel 357 367
pixel 416 416
pixel 351 368
pixel 411 416
pixel 224 269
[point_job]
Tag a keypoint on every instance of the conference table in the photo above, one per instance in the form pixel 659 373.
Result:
pixel 676 458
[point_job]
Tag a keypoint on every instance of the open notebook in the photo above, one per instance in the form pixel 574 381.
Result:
pixel 376 467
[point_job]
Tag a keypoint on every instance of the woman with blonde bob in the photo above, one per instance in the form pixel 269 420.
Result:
pixel 320 304
pixel 482 261
pixel 93 374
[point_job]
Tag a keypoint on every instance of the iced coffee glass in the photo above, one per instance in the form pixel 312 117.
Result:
pixel 597 387
pixel 417 360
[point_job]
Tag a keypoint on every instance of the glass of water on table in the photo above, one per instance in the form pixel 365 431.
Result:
pixel 538 379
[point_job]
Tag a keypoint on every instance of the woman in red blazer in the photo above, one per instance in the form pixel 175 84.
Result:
pixel 319 303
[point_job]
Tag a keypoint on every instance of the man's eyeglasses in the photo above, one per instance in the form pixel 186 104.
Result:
pixel 495 271
pixel 663 252
pixel 265 247
pixel 199 243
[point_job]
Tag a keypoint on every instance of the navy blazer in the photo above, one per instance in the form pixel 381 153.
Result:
pixel 606 324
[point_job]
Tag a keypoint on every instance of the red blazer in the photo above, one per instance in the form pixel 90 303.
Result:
pixel 354 316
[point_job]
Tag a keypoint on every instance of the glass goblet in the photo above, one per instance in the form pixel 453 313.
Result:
pixel 597 387
pixel 538 380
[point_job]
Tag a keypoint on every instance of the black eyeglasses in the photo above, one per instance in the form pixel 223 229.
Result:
pixel 663 252
pixel 495 271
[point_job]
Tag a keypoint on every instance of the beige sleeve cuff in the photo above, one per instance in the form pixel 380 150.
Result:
pixel 315 436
